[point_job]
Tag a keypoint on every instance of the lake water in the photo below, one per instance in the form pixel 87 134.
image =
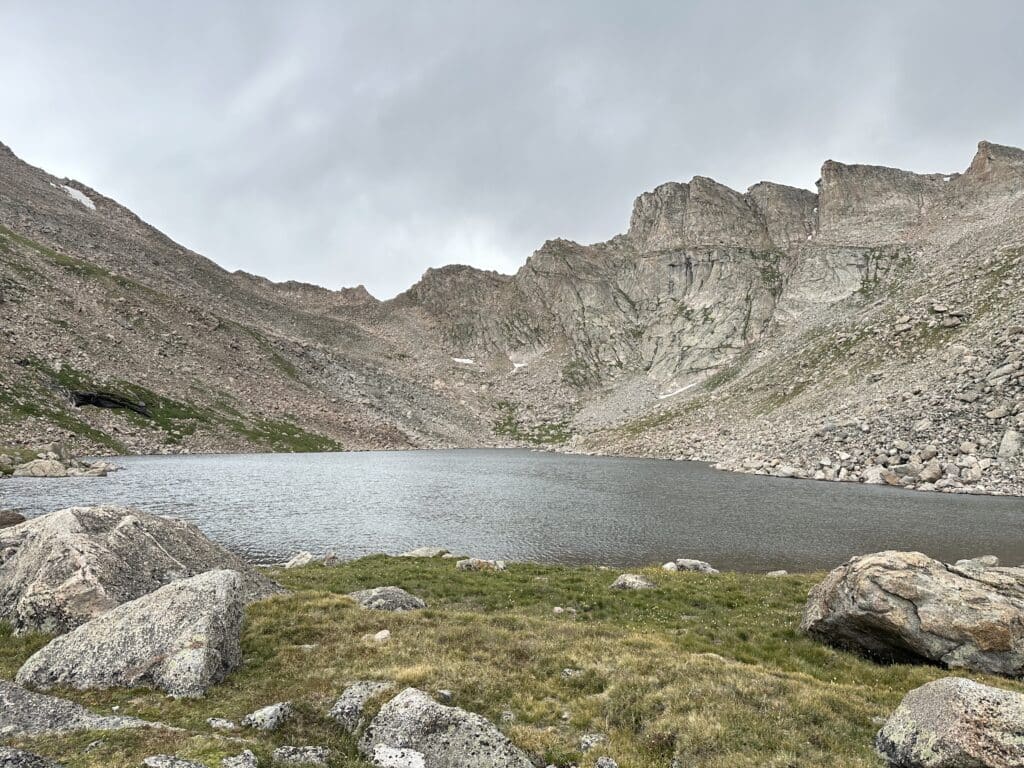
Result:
pixel 523 505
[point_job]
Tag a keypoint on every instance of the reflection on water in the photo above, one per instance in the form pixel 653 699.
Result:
pixel 544 507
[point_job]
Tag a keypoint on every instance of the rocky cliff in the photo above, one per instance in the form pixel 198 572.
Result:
pixel 865 331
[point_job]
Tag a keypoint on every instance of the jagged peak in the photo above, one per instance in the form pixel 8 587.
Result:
pixel 993 161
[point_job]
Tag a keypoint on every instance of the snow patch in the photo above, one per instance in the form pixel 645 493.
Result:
pixel 675 392
pixel 464 360
pixel 81 197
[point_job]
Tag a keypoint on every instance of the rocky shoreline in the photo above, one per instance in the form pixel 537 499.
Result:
pixel 147 603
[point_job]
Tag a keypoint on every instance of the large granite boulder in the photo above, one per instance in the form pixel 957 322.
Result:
pixel 41 468
pixel 387 599
pixel 19 758
pixel 181 639
pixel 955 723
pixel 905 606
pixel 25 713
pixel 65 568
pixel 447 737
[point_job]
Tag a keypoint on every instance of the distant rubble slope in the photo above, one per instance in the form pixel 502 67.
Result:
pixel 866 331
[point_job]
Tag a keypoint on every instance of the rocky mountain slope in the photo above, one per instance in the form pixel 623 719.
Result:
pixel 873 330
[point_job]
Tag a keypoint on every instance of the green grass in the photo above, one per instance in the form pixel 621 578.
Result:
pixel 709 670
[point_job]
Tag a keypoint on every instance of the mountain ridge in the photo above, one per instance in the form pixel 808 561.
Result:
pixel 584 347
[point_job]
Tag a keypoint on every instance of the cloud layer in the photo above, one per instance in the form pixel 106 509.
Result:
pixel 343 143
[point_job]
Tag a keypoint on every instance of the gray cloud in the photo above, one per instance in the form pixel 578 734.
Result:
pixel 343 143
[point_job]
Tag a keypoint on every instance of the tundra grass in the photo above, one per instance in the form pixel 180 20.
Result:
pixel 709 670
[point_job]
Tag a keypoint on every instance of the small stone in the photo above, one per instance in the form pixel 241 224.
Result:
pixel 220 724
pixel 776 574
pixel 605 762
pixel 383 636
pixel 268 718
pixel 590 740
pixel 477 564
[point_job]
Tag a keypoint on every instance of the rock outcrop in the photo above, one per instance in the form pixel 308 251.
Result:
pixel 26 713
pixel 387 599
pixel 182 638
pixel 348 709
pixel 905 606
pixel 955 722
pixel 65 568
pixel 445 736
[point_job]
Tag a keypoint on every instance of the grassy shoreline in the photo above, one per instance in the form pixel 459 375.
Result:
pixel 709 670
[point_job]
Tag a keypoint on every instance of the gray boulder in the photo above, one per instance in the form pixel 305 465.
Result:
pixel 387 599
pixel 25 713
pixel 19 758
pixel 169 761
pixel 699 566
pixel 633 581
pixel 905 606
pixel 447 737
pixel 182 639
pixel 9 517
pixel 65 568
pixel 41 468
pixel 348 709
pixel 955 723
pixel 245 759
pixel 302 755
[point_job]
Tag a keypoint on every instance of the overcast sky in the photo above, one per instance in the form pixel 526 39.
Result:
pixel 343 143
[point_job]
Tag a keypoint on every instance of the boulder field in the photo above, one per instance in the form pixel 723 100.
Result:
pixel 138 601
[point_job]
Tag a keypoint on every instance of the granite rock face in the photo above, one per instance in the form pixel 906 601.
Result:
pixel 446 737
pixel 905 606
pixel 60 570
pixel 26 713
pixel 955 722
pixel 182 638
pixel 784 331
